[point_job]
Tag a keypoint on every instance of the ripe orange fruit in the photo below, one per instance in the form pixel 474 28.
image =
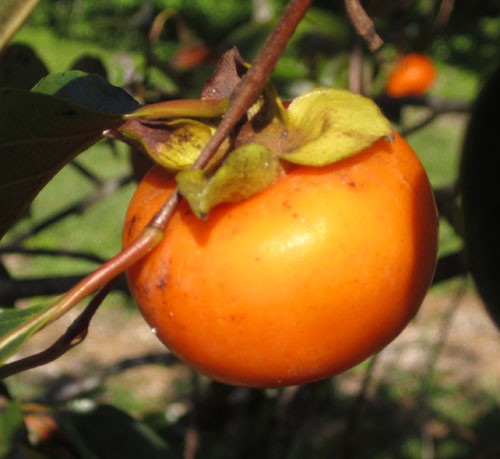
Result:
pixel 297 283
pixel 413 75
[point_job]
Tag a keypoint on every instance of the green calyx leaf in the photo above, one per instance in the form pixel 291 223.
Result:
pixel 246 171
pixel 335 124
pixel 174 144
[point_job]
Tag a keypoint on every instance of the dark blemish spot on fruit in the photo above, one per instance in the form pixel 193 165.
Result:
pixel 235 318
pixel 286 205
pixel 131 226
pixel 165 275
pixel 162 282
pixel 352 184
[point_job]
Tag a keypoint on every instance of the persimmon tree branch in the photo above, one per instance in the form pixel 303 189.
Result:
pixel 242 97
pixel 363 24
pixel 74 335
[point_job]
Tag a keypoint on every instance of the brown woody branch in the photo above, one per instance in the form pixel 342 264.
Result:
pixel 74 335
pixel 363 24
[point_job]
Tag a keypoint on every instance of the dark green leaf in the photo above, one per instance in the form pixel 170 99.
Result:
pixel 90 91
pixel 244 173
pixel 102 431
pixel 479 169
pixel 13 13
pixel 10 319
pixel 39 134
pixel 12 428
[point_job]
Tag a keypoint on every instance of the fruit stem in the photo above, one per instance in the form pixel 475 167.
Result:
pixel 253 82
pixel 243 96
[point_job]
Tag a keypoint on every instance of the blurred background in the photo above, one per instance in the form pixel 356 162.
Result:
pixel 433 393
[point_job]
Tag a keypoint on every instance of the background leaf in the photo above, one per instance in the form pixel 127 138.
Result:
pixel 13 13
pixel 12 428
pixel 10 320
pixel 40 133
pixel 102 431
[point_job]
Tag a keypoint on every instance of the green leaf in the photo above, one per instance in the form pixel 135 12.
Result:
pixel 39 134
pixel 335 124
pixel 87 90
pixel 12 335
pixel 13 13
pixel 12 428
pixel 245 172
pixel 102 431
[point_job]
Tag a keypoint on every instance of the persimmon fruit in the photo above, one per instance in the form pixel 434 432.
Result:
pixel 301 281
pixel 413 75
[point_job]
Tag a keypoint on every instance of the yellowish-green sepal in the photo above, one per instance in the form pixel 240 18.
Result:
pixel 174 145
pixel 335 124
pixel 245 172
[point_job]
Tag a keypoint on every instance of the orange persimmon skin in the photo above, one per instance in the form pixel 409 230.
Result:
pixel 298 283
pixel 413 75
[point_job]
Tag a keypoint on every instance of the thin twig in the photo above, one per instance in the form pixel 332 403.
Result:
pixel 12 290
pixel 427 378
pixel 354 416
pixel 355 67
pixel 443 14
pixel 74 335
pixel 363 24
pixel 86 172
pixel 19 250
pixel 437 103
